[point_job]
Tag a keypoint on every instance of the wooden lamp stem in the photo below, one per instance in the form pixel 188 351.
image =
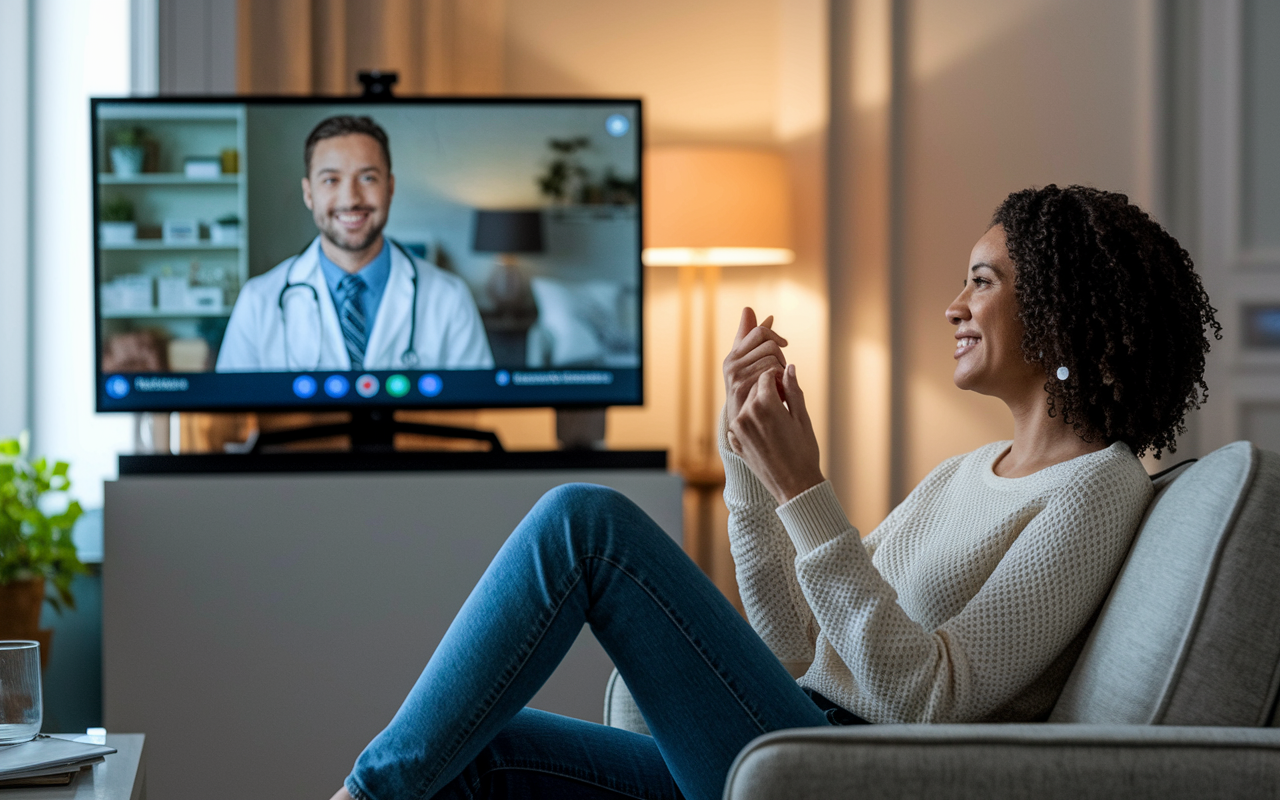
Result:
pixel 684 453
pixel 708 449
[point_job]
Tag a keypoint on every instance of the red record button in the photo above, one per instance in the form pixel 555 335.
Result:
pixel 366 386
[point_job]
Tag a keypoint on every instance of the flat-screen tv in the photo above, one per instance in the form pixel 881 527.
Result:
pixel 256 253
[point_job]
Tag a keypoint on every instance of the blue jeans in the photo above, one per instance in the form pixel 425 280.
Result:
pixel 703 679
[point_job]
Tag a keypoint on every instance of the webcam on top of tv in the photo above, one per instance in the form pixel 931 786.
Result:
pixel 377 84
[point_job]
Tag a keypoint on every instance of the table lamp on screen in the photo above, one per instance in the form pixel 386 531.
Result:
pixel 508 233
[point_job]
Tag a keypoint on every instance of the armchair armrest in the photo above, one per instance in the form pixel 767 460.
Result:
pixel 1048 762
pixel 991 762
pixel 620 709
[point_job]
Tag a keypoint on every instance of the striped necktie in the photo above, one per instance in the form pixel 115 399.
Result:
pixel 354 331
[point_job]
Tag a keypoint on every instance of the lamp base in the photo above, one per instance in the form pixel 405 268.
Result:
pixel 508 287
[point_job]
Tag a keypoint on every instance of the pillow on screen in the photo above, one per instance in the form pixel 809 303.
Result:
pixel 587 323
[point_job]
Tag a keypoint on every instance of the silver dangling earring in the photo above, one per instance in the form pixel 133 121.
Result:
pixel 1063 373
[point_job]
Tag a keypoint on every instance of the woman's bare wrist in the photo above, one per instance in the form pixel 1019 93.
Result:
pixel 795 488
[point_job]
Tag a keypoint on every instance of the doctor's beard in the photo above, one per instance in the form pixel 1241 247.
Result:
pixel 358 241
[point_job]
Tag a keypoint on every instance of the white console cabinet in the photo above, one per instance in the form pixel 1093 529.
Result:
pixel 260 628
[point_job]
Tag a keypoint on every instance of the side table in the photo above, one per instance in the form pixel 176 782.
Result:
pixel 122 776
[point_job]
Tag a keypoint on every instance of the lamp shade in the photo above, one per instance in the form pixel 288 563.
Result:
pixel 508 232
pixel 708 205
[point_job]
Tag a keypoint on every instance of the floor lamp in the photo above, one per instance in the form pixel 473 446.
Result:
pixel 708 207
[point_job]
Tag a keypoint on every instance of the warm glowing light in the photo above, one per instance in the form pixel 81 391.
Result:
pixel 716 206
pixel 716 256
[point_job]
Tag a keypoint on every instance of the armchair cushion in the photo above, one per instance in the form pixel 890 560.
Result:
pixel 1188 635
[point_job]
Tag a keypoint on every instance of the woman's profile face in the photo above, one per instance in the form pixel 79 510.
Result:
pixel 988 335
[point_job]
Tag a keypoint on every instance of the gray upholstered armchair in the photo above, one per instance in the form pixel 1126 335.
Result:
pixel 1174 696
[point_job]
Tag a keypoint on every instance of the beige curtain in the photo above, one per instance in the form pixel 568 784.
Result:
pixel 317 47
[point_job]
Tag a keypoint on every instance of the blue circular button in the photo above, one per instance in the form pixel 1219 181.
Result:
pixel 336 386
pixel 617 125
pixel 117 386
pixel 502 378
pixel 304 386
pixel 430 385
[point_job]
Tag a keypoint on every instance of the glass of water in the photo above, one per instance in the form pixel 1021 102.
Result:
pixel 21 709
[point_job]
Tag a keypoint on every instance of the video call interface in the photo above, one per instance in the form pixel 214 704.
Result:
pixel 418 254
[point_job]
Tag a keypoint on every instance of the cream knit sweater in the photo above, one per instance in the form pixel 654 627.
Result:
pixel 969 603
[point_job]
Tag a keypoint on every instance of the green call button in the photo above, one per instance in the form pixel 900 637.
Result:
pixel 397 386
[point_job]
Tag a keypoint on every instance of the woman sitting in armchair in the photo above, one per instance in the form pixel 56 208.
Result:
pixel 970 602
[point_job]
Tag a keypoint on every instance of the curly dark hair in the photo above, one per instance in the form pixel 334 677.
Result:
pixel 1105 291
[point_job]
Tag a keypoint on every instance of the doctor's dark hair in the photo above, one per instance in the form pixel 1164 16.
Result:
pixel 345 126
pixel 1105 291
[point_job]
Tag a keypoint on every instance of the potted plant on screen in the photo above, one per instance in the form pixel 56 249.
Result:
pixel 128 151
pixel 565 175
pixel 36 549
pixel 117 225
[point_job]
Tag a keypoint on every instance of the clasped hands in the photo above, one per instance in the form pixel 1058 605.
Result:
pixel 768 425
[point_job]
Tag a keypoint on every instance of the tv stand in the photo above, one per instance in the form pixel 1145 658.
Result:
pixel 240 583
pixel 369 431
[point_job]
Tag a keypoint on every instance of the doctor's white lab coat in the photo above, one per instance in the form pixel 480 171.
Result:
pixel 449 332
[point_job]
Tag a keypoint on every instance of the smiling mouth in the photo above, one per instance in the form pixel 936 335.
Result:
pixel 352 219
pixel 965 345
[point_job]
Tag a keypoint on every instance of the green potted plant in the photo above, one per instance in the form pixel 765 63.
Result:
pixel 36 549
pixel 128 151
pixel 565 174
pixel 117 225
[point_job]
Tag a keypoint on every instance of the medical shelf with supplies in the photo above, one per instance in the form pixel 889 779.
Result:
pixel 171 210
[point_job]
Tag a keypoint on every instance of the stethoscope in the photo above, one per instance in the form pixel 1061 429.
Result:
pixel 409 358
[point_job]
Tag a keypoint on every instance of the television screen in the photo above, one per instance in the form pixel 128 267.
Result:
pixel 308 253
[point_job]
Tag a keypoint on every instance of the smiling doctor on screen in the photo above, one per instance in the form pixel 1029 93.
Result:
pixel 353 299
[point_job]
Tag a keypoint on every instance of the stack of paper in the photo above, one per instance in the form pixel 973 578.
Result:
pixel 46 760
